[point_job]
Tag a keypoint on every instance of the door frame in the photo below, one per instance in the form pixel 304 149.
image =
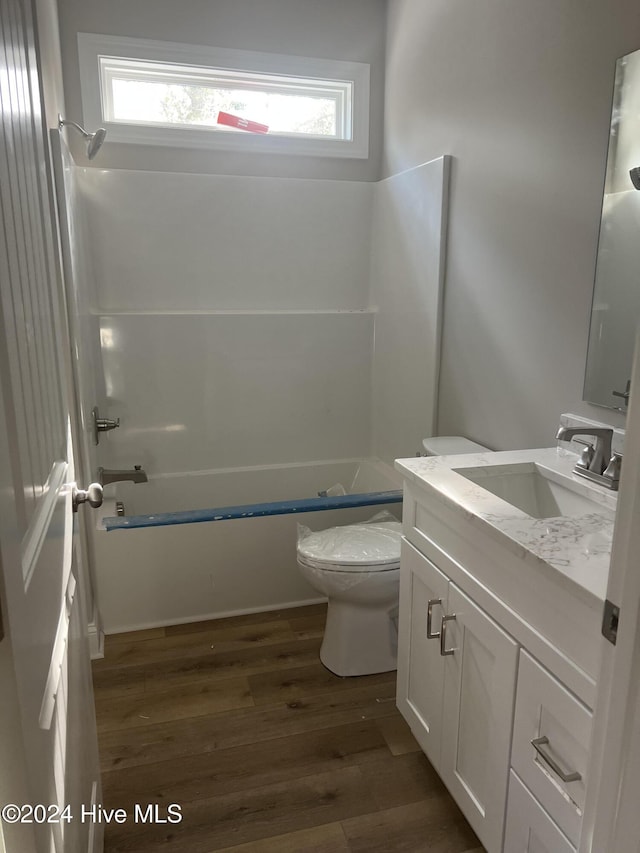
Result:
pixel 611 805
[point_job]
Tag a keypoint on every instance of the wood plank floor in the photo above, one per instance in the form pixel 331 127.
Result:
pixel 238 722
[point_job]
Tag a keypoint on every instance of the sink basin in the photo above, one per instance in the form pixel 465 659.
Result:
pixel 534 490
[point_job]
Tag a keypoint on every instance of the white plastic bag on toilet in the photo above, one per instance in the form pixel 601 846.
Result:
pixel 373 542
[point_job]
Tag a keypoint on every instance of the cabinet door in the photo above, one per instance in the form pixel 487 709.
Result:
pixel 420 666
pixel 480 680
pixel 529 827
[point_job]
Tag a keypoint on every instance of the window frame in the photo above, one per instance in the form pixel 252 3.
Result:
pixel 92 47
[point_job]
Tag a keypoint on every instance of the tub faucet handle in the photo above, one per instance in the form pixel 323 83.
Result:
pixel 102 424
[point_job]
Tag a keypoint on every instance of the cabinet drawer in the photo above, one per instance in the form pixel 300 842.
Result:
pixel 551 737
pixel 529 828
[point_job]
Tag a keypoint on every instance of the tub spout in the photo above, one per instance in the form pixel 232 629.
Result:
pixel 106 475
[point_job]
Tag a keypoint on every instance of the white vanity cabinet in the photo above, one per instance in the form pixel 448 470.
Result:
pixel 530 829
pixel 456 687
pixel 497 658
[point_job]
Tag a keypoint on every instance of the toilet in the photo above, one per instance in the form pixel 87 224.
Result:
pixel 357 567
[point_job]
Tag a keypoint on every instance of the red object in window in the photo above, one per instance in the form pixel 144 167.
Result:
pixel 242 123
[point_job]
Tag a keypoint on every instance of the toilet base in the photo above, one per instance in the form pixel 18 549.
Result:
pixel 360 640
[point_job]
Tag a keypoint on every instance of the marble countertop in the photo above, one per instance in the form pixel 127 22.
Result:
pixel 578 547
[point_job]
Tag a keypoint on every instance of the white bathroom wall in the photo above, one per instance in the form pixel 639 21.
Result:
pixel 407 272
pixel 519 93
pixel 234 318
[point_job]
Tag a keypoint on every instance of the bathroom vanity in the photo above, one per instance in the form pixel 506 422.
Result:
pixel 504 568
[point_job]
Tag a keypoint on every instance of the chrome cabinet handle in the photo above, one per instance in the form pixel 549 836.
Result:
pixel 537 743
pixel 443 635
pixel 430 605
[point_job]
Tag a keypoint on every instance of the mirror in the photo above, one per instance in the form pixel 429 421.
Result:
pixel 615 311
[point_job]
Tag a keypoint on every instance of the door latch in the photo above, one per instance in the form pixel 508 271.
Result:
pixel 610 619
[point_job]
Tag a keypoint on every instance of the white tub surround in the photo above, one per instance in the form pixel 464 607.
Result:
pixel 234 319
pixel 190 572
pixel 173 242
pixel 503 574
pixel 408 242
pixel 245 330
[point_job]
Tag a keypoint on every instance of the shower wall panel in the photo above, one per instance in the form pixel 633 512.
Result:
pixel 180 242
pixel 235 327
pixel 407 280
pixel 202 392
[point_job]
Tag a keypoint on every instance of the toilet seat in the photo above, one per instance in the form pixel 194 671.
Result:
pixel 349 569
pixel 353 548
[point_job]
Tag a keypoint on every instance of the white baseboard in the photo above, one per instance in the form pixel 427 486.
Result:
pixel 96 641
pixel 203 617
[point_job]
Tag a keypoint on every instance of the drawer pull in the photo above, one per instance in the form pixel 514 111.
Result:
pixel 430 605
pixel 537 743
pixel 443 635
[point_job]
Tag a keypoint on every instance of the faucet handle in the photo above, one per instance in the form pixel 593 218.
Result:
pixel 102 424
pixel 586 457
pixel 612 471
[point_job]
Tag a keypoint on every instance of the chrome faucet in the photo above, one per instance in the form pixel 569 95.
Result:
pixel 106 475
pixel 601 452
pixel 597 462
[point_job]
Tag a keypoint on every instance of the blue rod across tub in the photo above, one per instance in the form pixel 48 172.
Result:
pixel 225 513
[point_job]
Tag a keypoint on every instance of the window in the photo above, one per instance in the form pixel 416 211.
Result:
pixel 170 94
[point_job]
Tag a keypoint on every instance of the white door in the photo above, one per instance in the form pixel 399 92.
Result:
pixel 479 689
pixel 612 819
pixel 47 724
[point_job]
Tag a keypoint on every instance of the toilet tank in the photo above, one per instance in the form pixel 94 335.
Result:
pixel 451 445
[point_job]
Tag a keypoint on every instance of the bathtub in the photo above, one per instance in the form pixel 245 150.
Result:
pixel 163 575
